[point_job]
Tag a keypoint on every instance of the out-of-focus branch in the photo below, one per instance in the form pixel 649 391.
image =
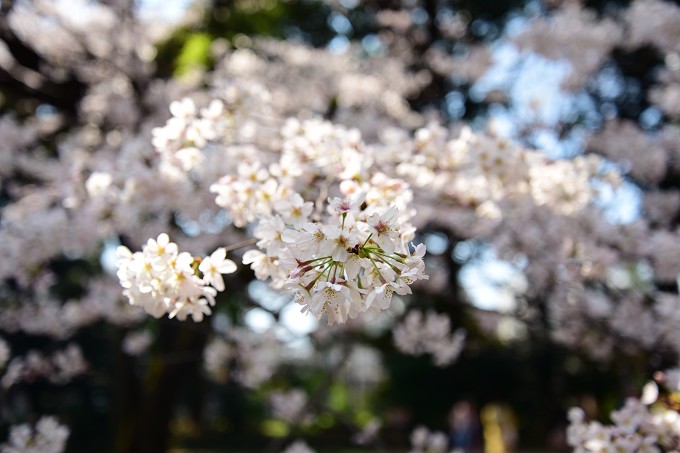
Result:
pixel 22 53
pixel 64 95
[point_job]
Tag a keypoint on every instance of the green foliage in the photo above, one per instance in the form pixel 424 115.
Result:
pixel 189 48
pixel 338 397
pixel 195 54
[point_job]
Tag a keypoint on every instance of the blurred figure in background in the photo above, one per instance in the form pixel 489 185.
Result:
pixel 500 428
pixel 464 428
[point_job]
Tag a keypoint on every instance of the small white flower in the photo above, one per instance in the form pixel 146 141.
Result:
pixel 214 266
pixel 294 210
pixel 384 228
pixel 348 204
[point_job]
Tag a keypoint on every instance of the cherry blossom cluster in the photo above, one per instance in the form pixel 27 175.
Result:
pixel 672 379
pixel 181 137
pixel 256 357
pixel 163 280
pixel 290 406
pixel 230 117
pixel 299 446
pixel 360 254
pixel 309 154
pixel 425 441
pixel 253 191
pixel 354 261
pixel 650 424
pixel 368 433
pixel 59 368
pixel 44 315
pixel 354 258
pixel 371 92
pixel 422 439
pixel 482 170
pixel 429 334
pixel 47 436
pixel 566 33
pixel 137 342
pixel 656 324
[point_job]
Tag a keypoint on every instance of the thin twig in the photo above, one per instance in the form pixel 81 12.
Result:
pixel 238 245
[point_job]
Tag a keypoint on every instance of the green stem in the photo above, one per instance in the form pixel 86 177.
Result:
pixel 382 279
